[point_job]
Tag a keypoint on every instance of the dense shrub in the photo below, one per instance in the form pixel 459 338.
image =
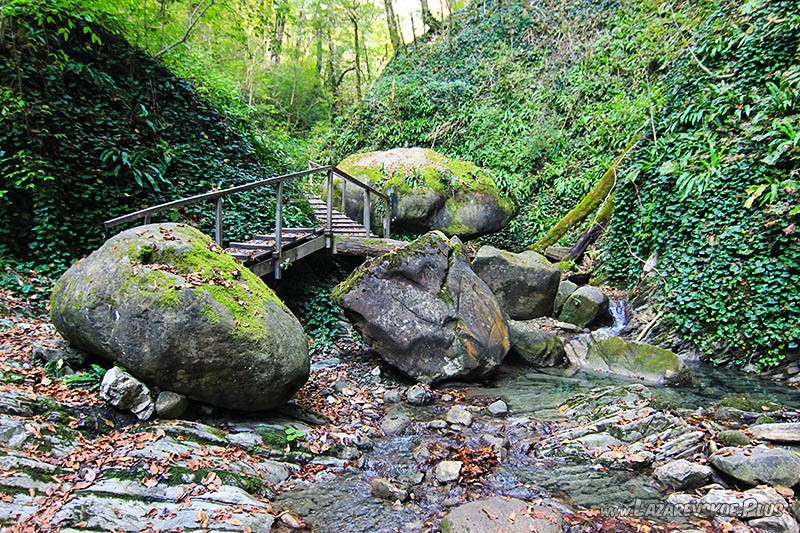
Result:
pixel 92 128
pixel 716 194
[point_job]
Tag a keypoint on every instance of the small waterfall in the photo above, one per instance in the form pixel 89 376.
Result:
pixel 618 309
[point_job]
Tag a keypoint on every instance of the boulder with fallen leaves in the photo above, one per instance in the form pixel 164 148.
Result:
pixel 176 311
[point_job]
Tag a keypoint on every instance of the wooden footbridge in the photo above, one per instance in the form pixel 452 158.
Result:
pixel 268 253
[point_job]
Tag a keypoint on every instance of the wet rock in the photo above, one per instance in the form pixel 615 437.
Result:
pixel 503 514
pixel 418 395
pixel 389 489
pixel 536 346
pixel 584 306
pixel 787 432
pixel 783 523
pixel 447 471
pixel 127 393
pixel 565 290
pixel 425 312
pixel 459 415
pixel 733 437
pixel 164 302
pixel 524 284
pixel 602 352
pixel 437 424
pixel 171 404
pixel 498 408
pixel 683 475
pixel 771 466
pixel 626 460
pixel 395 424
pixel 497 443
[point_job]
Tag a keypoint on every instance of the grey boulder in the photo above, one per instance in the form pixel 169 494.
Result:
pixel 584 306
pixel 425 312
pixel 759 465
pixel 601 352
pixel 127 393
pixel 525 284
pixel 536 346
pixel 172 308
pixel 787 432
pixel 682 474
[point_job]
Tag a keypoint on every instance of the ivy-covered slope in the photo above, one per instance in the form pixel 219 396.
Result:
pixel 92 128
pixel 545 94
pixel 715 188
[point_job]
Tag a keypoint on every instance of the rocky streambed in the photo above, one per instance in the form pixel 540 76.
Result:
pixel 362 450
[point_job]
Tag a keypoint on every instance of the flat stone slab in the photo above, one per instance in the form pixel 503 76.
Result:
pixel 503 514
pixel 786 432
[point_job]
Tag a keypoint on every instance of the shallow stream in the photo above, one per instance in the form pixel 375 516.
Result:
pixel 343 502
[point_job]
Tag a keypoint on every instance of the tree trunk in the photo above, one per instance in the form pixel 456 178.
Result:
pixel 428 19
pixel 587 205
pixel 357 45
pixel 391 21
pixel 598 227
pixel 277 36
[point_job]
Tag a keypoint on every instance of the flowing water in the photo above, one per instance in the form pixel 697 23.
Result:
pixel 343 502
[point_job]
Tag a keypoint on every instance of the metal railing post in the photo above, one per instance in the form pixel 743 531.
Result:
pixel 146 219
pixel 218 222
pixel 387 219
pixel 329 213
pixel 278 230
pixel 344 196
pixel 367 213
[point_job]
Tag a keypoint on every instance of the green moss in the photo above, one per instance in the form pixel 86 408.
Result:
pixel 764 419
pixel 211 314
pixel 733 438
pixel 227 281
pixel 744 403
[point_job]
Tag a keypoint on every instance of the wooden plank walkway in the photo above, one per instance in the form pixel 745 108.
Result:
pixel 259 252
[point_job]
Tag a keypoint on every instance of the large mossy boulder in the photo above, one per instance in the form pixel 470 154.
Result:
pixel 426 313
pixel 601 352
pixel 525 284
pixel 433 192
pixel 176 311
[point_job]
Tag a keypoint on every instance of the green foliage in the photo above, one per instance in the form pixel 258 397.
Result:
pixel 544 95
pixel 92 128
pixel 715 191
pixel 292 434
pixel 90 379
pixel 322 318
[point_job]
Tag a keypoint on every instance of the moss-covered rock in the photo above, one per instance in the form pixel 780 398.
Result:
pixel 434 192
pixel 754 466
pixel 733 437
pixel 426 313
pixel 584 306
pixel 602 352
pixel 173 309
pixel 534 345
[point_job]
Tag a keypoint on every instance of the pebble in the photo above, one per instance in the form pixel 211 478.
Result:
pixel 392 396
pixel 459 415
pixel 498 408
pixel 447 471
pixel 417 395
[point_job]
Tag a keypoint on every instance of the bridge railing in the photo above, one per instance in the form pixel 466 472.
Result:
pixel 330 171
